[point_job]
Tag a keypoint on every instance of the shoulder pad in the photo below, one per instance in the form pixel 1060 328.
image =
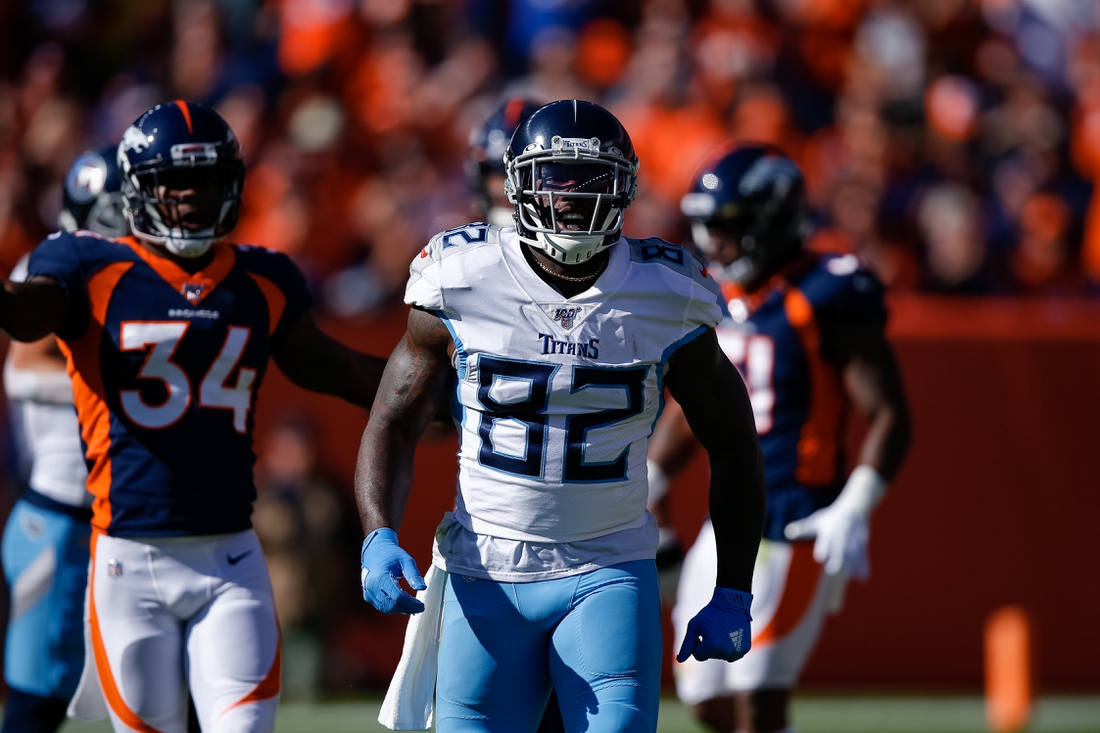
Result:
pixel 459 239
pixel 676 258
pixel 254 253
pixel 841 281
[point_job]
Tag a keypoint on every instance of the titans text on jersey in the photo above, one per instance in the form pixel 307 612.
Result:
pixel 557 397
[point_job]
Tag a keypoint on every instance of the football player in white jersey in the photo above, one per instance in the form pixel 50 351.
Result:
pixel 563 335
pixel 45 545
pixel 808 332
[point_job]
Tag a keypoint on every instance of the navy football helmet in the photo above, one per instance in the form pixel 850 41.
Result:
pixel 754 197
pixel 182 176
pixel 572 172
pixel 92 196
pixel 485 156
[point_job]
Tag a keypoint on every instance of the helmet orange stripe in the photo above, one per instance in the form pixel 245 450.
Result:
pixel 186 114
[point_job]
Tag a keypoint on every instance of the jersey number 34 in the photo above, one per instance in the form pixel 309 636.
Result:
pixel 163 337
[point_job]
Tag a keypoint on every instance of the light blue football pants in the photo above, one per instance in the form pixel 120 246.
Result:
pixel 45 557
pixel 595 637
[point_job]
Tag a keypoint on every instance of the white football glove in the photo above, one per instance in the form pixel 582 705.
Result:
pixel 841 528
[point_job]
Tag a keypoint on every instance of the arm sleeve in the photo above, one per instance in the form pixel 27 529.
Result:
pixel 281 272
pixel 57 258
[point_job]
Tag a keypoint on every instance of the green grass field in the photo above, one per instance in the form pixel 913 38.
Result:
pixel 811 715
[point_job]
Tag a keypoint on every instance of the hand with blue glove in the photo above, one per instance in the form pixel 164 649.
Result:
pixel 384 564
pixel 721 630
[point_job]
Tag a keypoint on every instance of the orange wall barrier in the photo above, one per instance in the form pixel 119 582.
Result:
pixel 997 503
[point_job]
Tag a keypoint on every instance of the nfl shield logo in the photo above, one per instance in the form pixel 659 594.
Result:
pixel 192 291
pixel 114 568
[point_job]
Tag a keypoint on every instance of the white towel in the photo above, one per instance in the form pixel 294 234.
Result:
pixel 410 699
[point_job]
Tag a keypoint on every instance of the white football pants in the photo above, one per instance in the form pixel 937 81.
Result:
pixel 162 609
pixel 791 597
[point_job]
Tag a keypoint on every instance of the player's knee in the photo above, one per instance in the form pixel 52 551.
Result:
pixel 717 714
pixel 27 713
pixel 255 717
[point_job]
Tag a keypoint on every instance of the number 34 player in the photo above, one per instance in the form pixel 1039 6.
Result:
pixel 167 336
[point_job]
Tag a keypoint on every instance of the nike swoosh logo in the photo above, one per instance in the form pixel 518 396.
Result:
pixel 234 560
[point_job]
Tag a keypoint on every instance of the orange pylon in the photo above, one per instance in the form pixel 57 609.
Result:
pixel 1008 689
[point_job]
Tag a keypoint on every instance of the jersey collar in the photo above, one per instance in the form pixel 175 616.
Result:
pixel 194 287
pixel 541 292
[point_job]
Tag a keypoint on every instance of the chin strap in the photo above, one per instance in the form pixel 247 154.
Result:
pixel 189 248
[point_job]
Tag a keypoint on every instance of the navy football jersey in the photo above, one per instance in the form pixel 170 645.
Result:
pixel 778 337
pixel 165 367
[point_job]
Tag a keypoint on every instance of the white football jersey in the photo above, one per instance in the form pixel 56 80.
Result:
pixel 556 398
pixel 48 441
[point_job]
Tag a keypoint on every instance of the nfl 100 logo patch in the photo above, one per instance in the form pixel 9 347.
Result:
pixel 566 316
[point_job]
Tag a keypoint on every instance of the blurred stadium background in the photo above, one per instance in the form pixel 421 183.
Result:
pixel 952 144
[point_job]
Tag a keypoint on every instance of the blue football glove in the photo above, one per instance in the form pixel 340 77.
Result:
pixel 721 630
pixel 384 564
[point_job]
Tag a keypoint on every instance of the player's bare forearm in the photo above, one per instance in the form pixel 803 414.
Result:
pixel 315 361
pixel 716 405
pixel 872 380
pixel 32 310
pixel 673 444
pixel 412 390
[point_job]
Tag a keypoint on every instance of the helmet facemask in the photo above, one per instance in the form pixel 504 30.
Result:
pixel 185 207
pixel 570 199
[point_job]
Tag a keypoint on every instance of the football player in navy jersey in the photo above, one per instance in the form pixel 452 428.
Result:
pixel 485 171
pixel 555 338
pixel 807 333
pixel 167 334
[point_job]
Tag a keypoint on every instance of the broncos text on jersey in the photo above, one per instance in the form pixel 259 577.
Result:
pixel 165 367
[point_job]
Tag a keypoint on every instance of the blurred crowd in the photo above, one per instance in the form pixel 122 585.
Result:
pixel 952 144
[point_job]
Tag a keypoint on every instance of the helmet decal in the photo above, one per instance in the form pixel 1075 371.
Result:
pixel 86 178
pixel 136 140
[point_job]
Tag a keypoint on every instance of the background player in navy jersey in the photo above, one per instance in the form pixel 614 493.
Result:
pixel 562 334
pixel 485 170
pixel 45 545
pixel 168 334
pixel 807 333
